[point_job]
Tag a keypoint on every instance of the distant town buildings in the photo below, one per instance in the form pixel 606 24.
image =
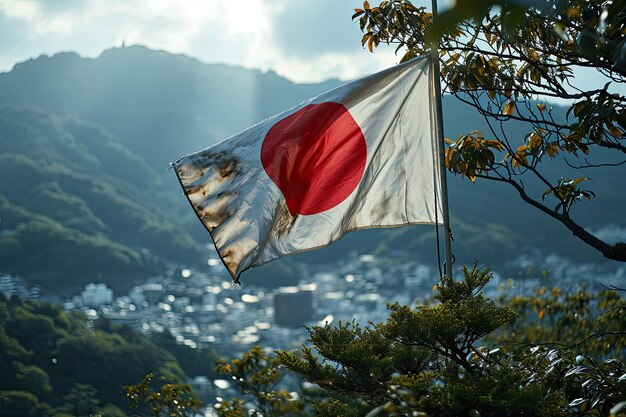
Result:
pixel 96 295
pixel 12 286
pixel 293 307
pixel 203 308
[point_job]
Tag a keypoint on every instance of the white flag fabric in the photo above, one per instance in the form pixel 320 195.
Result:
pixel 363 155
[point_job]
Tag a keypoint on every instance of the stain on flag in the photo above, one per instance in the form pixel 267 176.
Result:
pixel 363 155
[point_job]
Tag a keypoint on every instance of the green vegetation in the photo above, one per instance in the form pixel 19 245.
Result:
pixel 591 322
pixel 85 195
pixel 455 357
pixel 85 144
pixel 256 374
pixel 52 362
pixel 505 63
pixel 463 354
pixel 160 105
pixel 63 259
pixel 71 211
pixel 169 399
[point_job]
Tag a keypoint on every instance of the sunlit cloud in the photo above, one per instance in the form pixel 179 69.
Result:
pixel 306 42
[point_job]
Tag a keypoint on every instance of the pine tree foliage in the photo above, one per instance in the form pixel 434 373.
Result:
pixel 356 362
pixel 81 399
pixel 425 359
pixel 453 327
pixel 258 376
pixel 166 398
pixel 455 357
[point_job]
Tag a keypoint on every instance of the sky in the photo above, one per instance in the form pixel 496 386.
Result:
pixel 305 41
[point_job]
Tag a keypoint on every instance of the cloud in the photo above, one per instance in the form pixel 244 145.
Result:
pixel 314 41
pixel 44 17
pixel 304 29
pixel 304 41
pixel 8 30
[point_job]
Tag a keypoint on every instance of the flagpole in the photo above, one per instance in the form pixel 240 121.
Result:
pixel 441 150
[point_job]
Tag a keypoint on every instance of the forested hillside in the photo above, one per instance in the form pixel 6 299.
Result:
pixel 85 193
pixel 72 208
pixel 52 361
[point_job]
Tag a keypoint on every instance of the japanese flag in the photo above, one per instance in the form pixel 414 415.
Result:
pixel 363 155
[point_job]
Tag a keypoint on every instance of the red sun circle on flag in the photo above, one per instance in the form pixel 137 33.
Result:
pixel 316 156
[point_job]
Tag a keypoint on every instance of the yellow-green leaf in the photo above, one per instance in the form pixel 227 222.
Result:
pixel 615 131
pixel 508 108
pixel 579 180
pixel 534 142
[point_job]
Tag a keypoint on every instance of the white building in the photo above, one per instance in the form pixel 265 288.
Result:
pixel 95 295
pixel 16 286
pixel 137 296
pixel 7 285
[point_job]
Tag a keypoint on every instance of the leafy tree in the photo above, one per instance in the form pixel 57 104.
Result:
pixel 81 399
pixel 37 331
pixel 48 356
pixel 506 62
pixel 33 379
pixel 126 361
pixel 110 411
pixel 592 322
pixel 257 376
pixel 598 386
pixel 166 399
pixel 21 403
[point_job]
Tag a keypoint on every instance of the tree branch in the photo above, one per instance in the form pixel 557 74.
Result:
pixel 616 252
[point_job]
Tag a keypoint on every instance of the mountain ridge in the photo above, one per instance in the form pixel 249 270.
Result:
pixel 92 138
